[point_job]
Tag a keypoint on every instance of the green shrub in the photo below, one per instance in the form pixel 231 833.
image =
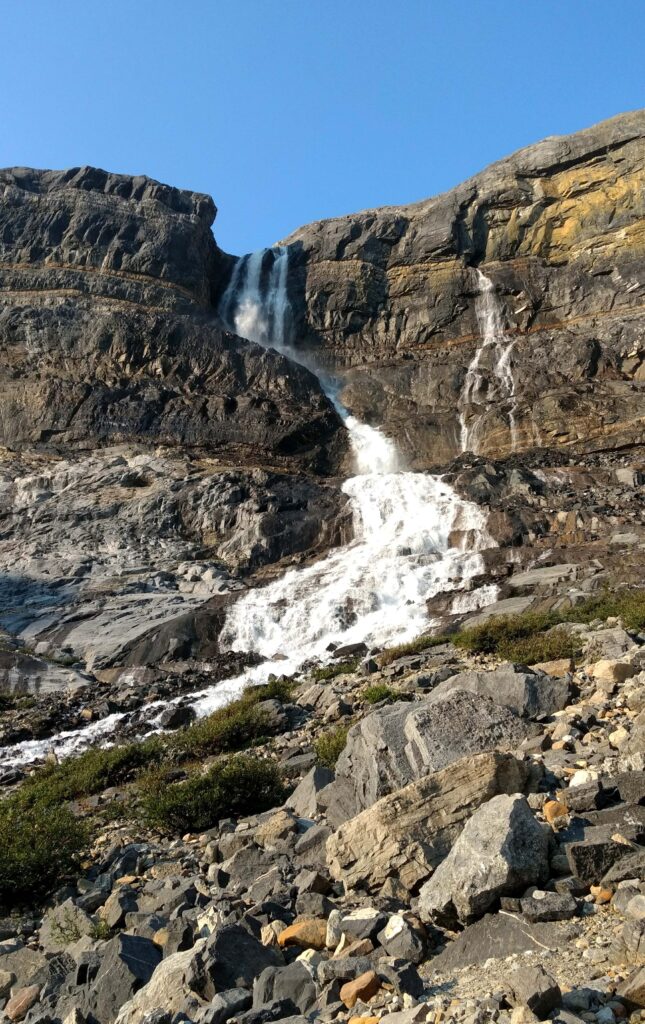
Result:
pixel 416 646
pixel 330 745
pixel 324 673
pixel 501 631
pixel 556 643
pixel 381 692
pixel 230 728
pixel 39 847
pixel 236 785
pixel 91 772
pixel 234 727
pixel 627 604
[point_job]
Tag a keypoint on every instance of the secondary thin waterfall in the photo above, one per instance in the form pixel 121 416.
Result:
pixel 492 358
pixel 374 590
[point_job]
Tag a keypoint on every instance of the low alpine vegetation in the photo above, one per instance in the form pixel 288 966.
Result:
pixel 382 693
pixel 235 785
pixel 330 745
pixel 324 673
pixel 417 646
pixel 38 849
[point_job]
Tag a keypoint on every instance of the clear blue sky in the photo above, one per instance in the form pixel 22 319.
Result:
pixel 286 111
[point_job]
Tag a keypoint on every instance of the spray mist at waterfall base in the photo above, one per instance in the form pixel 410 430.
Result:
pixel 375 589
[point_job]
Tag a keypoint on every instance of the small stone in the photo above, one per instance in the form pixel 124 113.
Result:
pixel 334 930
pixel 600 894
pixel 618 737
pixel 21 1002
pixel 308 934
pixel 6 981
pixel 553 810
pixel 364 988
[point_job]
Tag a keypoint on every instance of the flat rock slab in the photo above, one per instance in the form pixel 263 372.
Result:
pixel 497 936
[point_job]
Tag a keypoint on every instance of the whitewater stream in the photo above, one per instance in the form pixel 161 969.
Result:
pixel 374 589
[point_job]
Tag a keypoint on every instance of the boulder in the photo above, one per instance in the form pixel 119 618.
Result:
pixel 364 988
pixel 632 990
pixel 402 975
pixel 175 987
pixel 409 832
pixel 21 1002
pixel 303 801
pixel 363 923
pixel 548 906
pixel 234 958
pixel 500 852
pixel 308 934
pixel 227 1004
pixel 62 925
pixel 591 859
pixel 126 965
pixel 533 987
pixel 403 938
pixel 402 742
pixel 292 984
pixel 529 694
pixel 499 936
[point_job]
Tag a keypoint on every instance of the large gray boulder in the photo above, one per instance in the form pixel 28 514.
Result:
pixel 500 852
pixel 529 694
pixel 174 987
pixel 127 964
pixel 408 833
pixel 398 744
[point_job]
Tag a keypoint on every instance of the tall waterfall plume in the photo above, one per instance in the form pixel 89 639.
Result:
pixel 414 537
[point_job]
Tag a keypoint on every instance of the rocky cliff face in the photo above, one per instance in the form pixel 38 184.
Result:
pixel 390 296
pixel 150 457
pixel 107 332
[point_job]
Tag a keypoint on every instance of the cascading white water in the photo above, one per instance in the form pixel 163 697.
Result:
pixel 373 590
pixel 495 350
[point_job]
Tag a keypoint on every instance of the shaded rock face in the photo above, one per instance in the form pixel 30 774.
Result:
pixel 107 332
pixel 88 232
pixel 390 295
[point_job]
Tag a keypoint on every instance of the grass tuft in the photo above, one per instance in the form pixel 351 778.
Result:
pixel 417 646
pixel 324 673
pixel 330 745
pixel 381 692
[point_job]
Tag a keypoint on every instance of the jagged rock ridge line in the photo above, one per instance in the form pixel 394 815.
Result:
pixel 559 227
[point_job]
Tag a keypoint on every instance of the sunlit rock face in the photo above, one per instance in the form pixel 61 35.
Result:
pixel 391 295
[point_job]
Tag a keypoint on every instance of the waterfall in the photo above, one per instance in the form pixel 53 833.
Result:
pixel 493 357
pixel 374 590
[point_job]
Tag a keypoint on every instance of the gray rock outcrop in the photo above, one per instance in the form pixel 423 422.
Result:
pixel 501 850
pixel 397 744
pixel 408 833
